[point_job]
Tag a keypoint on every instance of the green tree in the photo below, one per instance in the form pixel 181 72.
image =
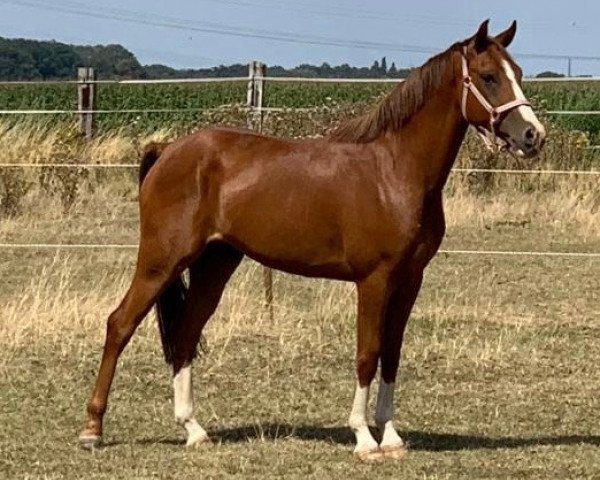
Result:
pixel 549 74
pixel 16 63
pixel 110 61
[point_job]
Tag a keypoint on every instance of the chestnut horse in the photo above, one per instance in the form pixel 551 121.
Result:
pixel 363 204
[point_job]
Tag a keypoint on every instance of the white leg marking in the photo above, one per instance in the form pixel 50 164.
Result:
pixel 384 414
pixel 525 111
pixel 184 406
pixel 358 421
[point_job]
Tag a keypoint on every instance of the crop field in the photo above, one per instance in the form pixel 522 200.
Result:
pixel 547 96
pixel 499 375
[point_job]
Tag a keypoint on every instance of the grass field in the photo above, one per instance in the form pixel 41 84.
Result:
pixel 499 375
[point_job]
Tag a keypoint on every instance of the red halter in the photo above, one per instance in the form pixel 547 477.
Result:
pixel 495 112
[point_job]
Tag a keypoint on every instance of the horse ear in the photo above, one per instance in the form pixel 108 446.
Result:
pixel 506 37
pixel 481 37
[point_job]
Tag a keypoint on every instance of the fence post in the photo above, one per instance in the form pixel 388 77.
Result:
pixel 86 101
pixel 257 71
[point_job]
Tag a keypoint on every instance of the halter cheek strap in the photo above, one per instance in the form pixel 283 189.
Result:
pixel 495 112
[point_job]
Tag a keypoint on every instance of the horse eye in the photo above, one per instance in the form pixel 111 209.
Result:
pixel 488 78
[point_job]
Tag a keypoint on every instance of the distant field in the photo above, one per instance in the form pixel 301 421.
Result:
pixel 547 96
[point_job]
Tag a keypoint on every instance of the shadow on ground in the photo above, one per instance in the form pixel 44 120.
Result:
pixel 418 441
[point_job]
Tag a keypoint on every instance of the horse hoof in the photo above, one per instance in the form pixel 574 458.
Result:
pixel 89 441
pixel 394 452
pixel 370 455
pixel 197 441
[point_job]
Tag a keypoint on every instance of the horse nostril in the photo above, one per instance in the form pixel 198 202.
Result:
pixel 530 134
pixel 531 137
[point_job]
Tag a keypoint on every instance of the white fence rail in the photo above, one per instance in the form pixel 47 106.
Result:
pixel 214 109
pixel 506 171
pixel 130 110
pixel 128 82
pixel 590 79
pixel 116 246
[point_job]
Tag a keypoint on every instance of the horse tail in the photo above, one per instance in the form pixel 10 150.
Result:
pixel 170 303
pixel 150 154
pixel 169 312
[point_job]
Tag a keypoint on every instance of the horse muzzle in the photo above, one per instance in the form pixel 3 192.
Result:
pixel 525 136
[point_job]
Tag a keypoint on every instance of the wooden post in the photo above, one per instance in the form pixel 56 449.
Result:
pixel 86 101
pixel 257 71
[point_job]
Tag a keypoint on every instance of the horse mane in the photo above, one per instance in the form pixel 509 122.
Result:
pixel 396 108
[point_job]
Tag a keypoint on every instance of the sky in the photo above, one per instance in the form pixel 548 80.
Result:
pixel 204 33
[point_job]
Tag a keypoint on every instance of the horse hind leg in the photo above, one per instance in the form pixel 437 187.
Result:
pixel 156 269
pixel 208 277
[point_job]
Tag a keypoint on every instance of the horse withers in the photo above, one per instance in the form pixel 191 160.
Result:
pixel 363 204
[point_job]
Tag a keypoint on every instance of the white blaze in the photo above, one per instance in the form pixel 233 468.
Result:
pixel 525 111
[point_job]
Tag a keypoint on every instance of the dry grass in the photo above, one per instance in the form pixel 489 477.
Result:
pixel 498 379
pixel 34 142
pixel 40 142
pixel 499 376
pixel 572 210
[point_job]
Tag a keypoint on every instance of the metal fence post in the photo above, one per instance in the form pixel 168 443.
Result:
pixel 86 101
pixel 257 71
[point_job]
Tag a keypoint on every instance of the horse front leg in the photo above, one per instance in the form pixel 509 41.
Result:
pixel 397 314
pixel 372 298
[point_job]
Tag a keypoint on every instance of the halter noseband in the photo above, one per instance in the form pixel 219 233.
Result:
pixel 489 137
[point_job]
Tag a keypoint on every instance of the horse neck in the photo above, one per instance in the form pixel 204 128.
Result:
pixel 428 144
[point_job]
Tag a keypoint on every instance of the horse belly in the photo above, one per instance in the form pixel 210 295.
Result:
pixel 301 237
pixel 302 249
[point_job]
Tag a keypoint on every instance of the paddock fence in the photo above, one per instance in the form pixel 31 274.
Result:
pixel 253 106
pixel 87 94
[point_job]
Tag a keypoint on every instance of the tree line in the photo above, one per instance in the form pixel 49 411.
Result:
pixel 23 59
